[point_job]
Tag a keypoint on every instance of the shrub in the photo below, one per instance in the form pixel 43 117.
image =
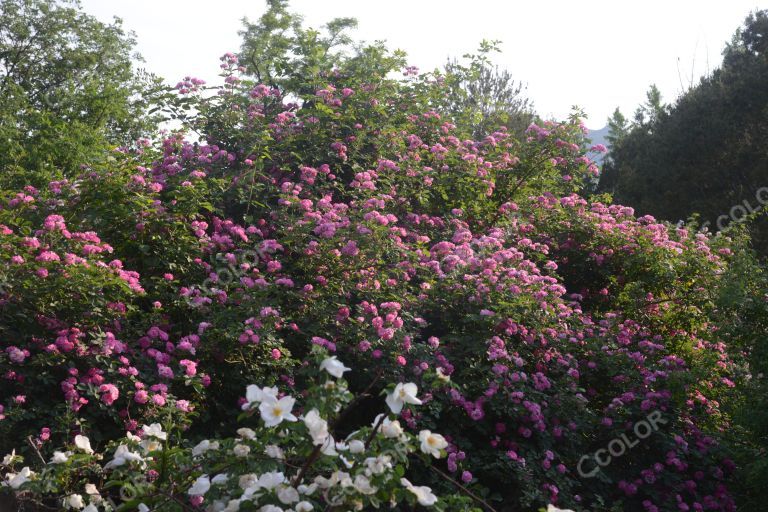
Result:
pixel 341 213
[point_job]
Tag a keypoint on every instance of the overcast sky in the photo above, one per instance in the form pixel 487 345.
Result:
pixel 592 53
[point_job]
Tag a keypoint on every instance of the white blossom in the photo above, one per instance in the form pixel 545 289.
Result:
pixel 329 447
pixel 155 430
pixel 333 366
pixel 200 487
pixel 220 479
pixel 74 501
pixel 402 394
pixel 391 428
pixel 16 480
pixel 60 457
pixel 363 485
pixel 9 458
pixel 423 493
pixel 337 478
pixel 274 451
pixel 83 443
pixel 431 443
pixel 246 433
pixel 377 465
pixel 271 480
pixel 287 495
pixel 122 455
pixel 232 506
pixel 248 480
pixel 274 412
pixel 356 446
pixel 254 394
pixel 203 446
pixel 307 490
pixel 241 450
pixel 318 427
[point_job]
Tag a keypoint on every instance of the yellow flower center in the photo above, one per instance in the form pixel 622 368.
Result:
pixel 277 411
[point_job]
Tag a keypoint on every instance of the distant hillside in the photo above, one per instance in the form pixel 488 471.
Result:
pixel 599 137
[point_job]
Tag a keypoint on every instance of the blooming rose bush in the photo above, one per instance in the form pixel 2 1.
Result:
pixel 341 216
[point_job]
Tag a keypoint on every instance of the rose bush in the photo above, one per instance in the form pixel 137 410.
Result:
pixel 341 212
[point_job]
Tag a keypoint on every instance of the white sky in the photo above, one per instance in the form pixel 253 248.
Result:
pixel 592 53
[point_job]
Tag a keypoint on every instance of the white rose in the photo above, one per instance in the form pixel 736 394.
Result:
pixel 318 427
pixel 83 443
pixel 232 506
pixel 401 395
pixel 241 450
pixel 287 495
pixel 123 455
pixel 333 366
pixel 271 480
pixel 391 429
pixel 363 485
pixel 246 433
pixel 274 451
pixel 423 493
pixel 201 447
pixel 155 430
pixel 200 487
pixel 60 457
pixel 9 458
pixel 16 480
pixel 74 501
pixel 431 443
pixel 356 446
pixel 274 412
pixel 254 394
pixel 220 479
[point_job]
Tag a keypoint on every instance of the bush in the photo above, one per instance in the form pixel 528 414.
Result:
pixel 345 214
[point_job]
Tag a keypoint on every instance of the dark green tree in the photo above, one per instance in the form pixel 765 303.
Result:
pixel 706 153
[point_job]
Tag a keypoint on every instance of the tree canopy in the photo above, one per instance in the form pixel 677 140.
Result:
pixel 69 89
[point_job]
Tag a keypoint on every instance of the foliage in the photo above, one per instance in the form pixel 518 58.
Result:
pixel 68 90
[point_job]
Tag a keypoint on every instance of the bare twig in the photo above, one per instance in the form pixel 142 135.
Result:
pixel 34 447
